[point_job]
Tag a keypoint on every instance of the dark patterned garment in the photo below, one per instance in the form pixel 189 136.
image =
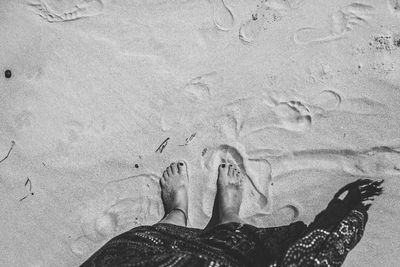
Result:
pixel 325 242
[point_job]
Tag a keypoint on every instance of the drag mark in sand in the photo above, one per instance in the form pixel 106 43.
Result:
pixel 379 160
pixel 65 10
pixel 342 21
pixel 308 168
pixel 9 151
pixel 223 16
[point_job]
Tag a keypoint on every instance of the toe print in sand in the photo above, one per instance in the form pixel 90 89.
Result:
pixel 64 10
pixel 343 22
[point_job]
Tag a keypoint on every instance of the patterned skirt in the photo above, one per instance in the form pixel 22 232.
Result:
pixel 325 242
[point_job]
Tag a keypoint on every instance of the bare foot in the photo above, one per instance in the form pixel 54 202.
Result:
pixel 174 183
pixel 229 190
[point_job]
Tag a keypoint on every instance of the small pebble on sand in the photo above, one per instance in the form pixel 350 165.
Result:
pixel 7 73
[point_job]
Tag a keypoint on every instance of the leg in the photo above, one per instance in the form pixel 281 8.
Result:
pixel 174 182
pixel 229 193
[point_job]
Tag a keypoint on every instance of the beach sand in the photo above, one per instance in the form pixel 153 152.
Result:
pixel 101 95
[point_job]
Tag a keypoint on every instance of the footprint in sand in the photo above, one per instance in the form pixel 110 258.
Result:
pixel 295 116
pixel 267 13
pixel 265 113
pixel 256 196
pixel 290 115
pixel 343 21
pixel 67 10
pixel 135 200
pixel 261 19
pixel 124 204
pixel 223 15
pixel 202 87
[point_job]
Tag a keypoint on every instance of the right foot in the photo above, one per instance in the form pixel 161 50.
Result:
pixel 174 193
pixel 229 192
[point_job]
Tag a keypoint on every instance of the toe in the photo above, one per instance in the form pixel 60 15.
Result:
pixel 165 174
pixel 181 167
pixel 169 170
pixel 174 168
pixel 162 181
pixel 230 171
pixel 223 168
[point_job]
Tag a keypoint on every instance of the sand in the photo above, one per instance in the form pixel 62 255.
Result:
pixel 302 95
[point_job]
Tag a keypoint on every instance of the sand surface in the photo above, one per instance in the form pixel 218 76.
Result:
pixel 304 95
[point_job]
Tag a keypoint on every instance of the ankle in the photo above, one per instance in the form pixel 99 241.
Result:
pixel 176 216
pixel 230 218
pixel 229 212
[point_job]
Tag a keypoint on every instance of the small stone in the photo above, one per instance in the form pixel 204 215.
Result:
pixel 7 73
pixel 136 166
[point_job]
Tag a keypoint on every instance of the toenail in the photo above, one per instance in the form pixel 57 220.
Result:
pixel 180 163
pixel 223 165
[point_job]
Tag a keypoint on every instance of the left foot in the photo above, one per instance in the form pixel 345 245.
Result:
pixel 174 193
pixel 229 191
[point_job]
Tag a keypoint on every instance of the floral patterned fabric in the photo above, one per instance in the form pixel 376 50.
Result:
pixel 325 242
